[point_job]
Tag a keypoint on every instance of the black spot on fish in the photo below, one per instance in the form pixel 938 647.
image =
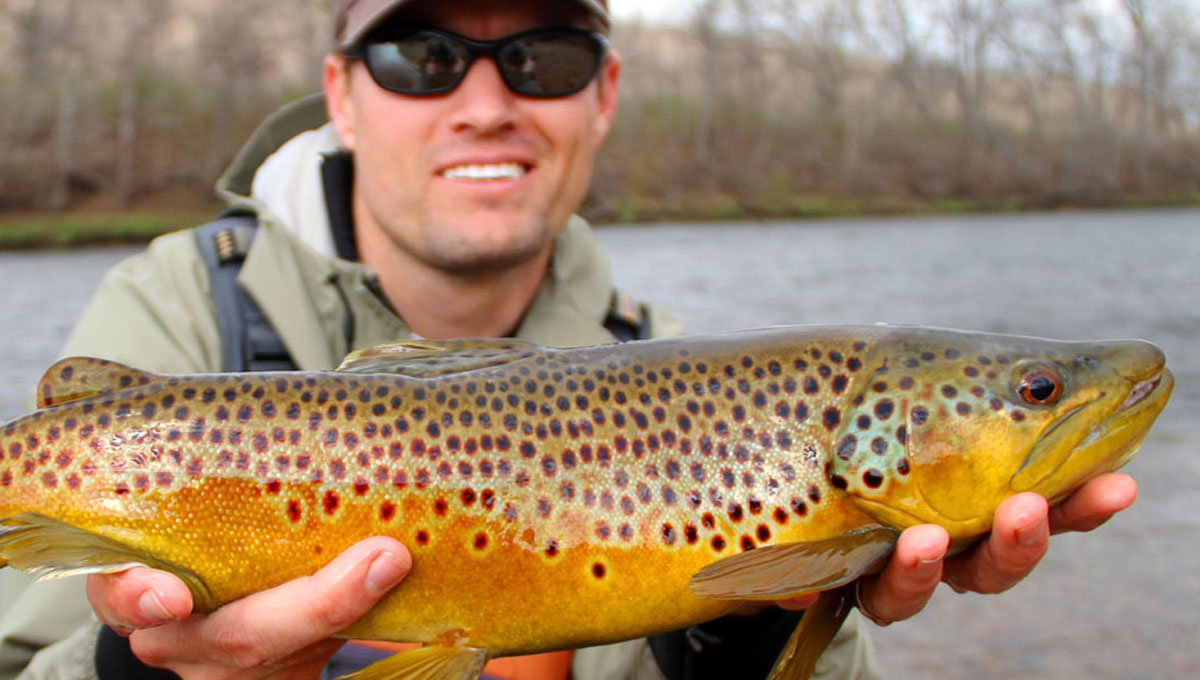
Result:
pixel 831 418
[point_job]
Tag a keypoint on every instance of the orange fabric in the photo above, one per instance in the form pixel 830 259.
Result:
pixel 550 666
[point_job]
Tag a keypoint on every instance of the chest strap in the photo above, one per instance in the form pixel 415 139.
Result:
pixel 250 343
pixel 248 340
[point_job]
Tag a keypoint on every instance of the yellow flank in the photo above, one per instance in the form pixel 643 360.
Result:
pixel 575 493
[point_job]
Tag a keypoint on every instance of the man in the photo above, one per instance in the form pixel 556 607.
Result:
pixel 449 214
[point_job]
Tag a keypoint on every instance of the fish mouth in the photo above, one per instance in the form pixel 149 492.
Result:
pixel 1141 390
pixel 1107 445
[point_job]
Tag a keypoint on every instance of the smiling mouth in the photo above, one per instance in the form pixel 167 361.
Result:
pixel 489 172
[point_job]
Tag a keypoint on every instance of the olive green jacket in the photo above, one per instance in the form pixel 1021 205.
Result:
pixel 154 311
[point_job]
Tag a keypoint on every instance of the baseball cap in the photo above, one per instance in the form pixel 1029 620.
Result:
pixel 352 19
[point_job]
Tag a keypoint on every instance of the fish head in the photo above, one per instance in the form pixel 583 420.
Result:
pixel 950 424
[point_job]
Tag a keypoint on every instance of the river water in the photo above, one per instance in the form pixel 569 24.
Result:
pixel 1120 603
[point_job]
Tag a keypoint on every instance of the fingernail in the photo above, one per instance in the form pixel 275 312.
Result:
pixel 929 566
pixel 1030 536
pixel 385 572
pixel 152 608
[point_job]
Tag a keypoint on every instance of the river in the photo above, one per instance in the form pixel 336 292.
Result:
pixel 1120 603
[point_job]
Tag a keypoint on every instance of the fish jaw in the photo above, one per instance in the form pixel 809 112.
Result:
pixel 1107 445
pixel 968 432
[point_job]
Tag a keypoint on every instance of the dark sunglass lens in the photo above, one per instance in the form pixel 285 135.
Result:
pixel 551 63
pixel 421 62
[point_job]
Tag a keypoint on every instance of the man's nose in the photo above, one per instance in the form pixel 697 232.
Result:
pixel 485 104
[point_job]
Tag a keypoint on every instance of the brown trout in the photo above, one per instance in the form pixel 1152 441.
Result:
pixel 560 498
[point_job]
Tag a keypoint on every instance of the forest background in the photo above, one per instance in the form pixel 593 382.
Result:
pixel 118 115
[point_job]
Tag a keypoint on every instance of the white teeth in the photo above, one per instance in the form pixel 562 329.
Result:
pixel 485 172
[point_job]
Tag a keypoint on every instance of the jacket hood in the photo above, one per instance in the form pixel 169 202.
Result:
pixel 278 172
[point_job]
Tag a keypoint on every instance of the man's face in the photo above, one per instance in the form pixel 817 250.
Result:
pixel 418 159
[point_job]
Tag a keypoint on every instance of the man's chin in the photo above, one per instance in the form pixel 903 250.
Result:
pixel 481 253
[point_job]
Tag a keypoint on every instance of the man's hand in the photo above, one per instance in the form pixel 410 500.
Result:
pixel 284 632
pixel 1020 537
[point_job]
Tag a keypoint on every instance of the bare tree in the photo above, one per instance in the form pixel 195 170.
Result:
pixel 901 38
pixel 144 21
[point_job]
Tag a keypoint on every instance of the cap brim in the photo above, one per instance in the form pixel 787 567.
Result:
pixel 364 15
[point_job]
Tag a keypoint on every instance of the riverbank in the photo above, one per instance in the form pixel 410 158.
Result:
pixel 73 229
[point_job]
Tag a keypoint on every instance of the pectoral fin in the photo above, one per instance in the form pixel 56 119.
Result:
pixel 820 623
pixel 433 662
pixel 789 569
pixel 51 548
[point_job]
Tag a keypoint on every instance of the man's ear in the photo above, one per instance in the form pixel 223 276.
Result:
pixel 606 94
pixel 336 82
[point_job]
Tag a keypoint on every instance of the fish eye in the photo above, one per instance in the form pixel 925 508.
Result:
pixel 1040 387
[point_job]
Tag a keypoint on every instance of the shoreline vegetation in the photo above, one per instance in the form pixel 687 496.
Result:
pixel 77 229
pixel 735 110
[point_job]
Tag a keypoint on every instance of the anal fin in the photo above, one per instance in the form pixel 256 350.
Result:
pixel 52 548
pixel 432 662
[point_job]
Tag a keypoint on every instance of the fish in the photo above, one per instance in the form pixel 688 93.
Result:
pixel 560 498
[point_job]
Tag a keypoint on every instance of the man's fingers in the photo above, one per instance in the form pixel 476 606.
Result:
pixel 138 598
pixel 1020 538
pixel 271 627
pixel 911 576
pixel 1094 503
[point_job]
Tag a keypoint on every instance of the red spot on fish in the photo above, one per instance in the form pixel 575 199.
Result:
pixel 748 543
pixel 481 541
pixel 330 502
pixel 293 511
pixel 387 511
pixel 274 486
pixel 598 570
pixel 422 537
pixel 735 512
pixel 164 478
pixel 440 506
pixel 6 478
pixel 552 548
pixel 718 543
pixel 361 486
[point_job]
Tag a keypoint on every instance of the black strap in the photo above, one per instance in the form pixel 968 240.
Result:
pixel 248 340
pixel 627 318
pixel 115 660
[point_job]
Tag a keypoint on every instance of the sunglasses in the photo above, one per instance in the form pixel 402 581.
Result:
pixel 544 62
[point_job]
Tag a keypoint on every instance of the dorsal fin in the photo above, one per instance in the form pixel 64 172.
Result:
pixel 434 358
pixel 76 378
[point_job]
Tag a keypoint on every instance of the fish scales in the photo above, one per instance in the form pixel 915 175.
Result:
pixel 551 498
